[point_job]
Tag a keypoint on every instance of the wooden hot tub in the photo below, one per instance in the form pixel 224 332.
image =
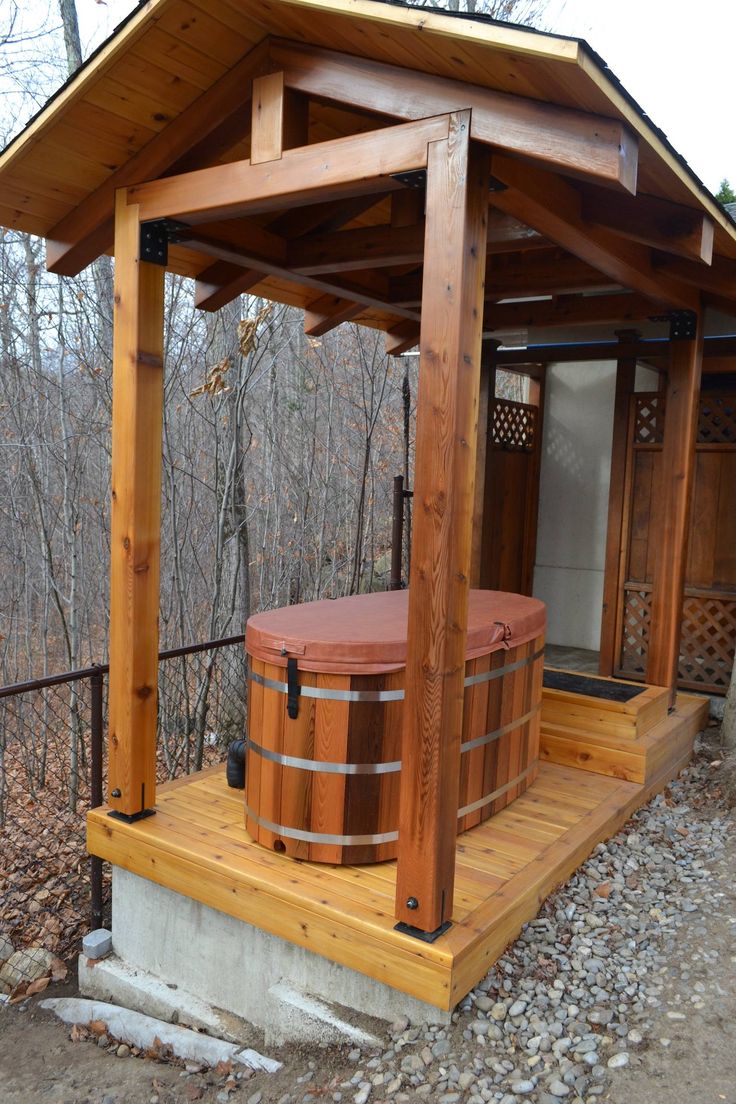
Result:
pixel 323 757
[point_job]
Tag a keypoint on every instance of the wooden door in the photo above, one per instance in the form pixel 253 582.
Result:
pixel 709 607
pixel 511 495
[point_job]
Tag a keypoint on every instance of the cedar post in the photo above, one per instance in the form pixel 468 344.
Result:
pixel 483 454
pixel 676 480
pixel 135 518
pixel 625 380
pixel 447 415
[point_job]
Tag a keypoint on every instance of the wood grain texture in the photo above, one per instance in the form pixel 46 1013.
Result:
pixel 197 846
pixel 675 493
pixel 447 412
pixel 356 165
pixel 135 517
pixel 567 140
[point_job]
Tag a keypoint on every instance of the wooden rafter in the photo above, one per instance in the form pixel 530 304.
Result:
pixel 87 231
pixel 567 140
pixel 553 206
pixel 572 310
pixel 652 221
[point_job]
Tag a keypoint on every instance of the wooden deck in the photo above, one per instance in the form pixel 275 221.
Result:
pixel 197 845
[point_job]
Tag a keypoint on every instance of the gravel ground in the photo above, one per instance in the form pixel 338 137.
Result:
pixel 621 990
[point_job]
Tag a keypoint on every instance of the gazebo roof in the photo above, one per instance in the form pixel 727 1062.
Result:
pixel 168 93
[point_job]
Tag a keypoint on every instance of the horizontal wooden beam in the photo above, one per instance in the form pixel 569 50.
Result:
pixel 554 207
pixel 652 221
pixel 571 310
pixel 237 248
pixel 388 245
pixel 717 348
pixel 87 231
pixel 565 139
pixel 356 165
pixel 525 275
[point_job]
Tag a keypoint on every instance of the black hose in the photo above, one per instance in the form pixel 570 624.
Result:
pixel 235 771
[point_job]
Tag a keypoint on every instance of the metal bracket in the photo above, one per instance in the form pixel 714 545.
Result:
pixel 418 933
pixel 683 325
pixel 496 185
pixel 131 818
pixel 155 238
pixel 417 178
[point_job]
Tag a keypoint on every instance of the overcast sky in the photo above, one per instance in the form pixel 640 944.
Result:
pixel 676 58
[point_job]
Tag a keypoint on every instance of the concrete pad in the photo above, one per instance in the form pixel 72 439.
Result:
pixel 288 992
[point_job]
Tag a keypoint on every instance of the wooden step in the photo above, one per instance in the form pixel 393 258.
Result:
pixel 582 712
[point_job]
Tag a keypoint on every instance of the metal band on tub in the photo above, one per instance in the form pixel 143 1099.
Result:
pixel 320 837
pixel 380 837
pixel 326 694
pixel 327 766
pixel 320 765
pixel 475 805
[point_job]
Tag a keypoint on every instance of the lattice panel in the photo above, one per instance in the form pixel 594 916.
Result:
pixel 648 418
pixel 717 424
pixel 514 425
pixel 708 639
pixel 635 643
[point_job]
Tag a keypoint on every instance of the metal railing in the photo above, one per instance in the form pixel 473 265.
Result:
pixel 52 768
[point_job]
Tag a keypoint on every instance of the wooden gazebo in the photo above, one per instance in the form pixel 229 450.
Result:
pixel 415 172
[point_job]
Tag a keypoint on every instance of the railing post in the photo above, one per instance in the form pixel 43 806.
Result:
pixel 397 534
pixel 95 791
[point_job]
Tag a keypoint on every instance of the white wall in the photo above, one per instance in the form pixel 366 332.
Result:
pixel 573 500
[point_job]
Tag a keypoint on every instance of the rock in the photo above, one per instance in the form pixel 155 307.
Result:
pixel 399 1026
pixel 362 1096
pixel 618 1061
pixel 558 1088
pixel 635 1037
pixel 517 1008
pixel 498 1012
pixel 523 1088
pixel 255 1098
pixel 103 1042
pixel 411 1064
pixel 28 964
pixel 123 1051
pixel 441 1048
pixel 483 1003
pixel 480 1027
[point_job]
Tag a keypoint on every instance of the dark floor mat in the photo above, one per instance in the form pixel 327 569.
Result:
pixel 594 688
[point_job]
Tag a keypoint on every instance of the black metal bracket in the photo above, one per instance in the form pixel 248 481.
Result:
pixel 683 325
pixel 155 238
pixel 496 185
pixel 416 178
pixel 131 818
pixel 293 688
pixel 418 933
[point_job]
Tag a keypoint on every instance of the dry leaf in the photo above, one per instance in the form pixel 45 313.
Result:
pixel 603 890
pixel 78 1033
pixel 19 993
pixel 97 1027
pixel 58 969
pixel 37 986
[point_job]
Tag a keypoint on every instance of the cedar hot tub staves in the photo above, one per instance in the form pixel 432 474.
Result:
pixel 325 720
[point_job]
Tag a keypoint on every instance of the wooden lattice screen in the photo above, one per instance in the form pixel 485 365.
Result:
pixel 709 608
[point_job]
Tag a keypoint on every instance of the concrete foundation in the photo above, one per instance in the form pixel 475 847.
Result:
pixel 288 992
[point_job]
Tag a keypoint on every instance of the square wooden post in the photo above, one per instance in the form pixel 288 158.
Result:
pixel 625 380
pixel 135 518
pixel 677 468
pixel 447 416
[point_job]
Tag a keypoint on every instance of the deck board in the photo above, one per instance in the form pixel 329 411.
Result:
pixel 197 845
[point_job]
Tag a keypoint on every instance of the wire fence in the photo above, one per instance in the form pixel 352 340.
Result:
pixel 53 766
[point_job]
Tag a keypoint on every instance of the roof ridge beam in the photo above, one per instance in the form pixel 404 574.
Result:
pixel 563 138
